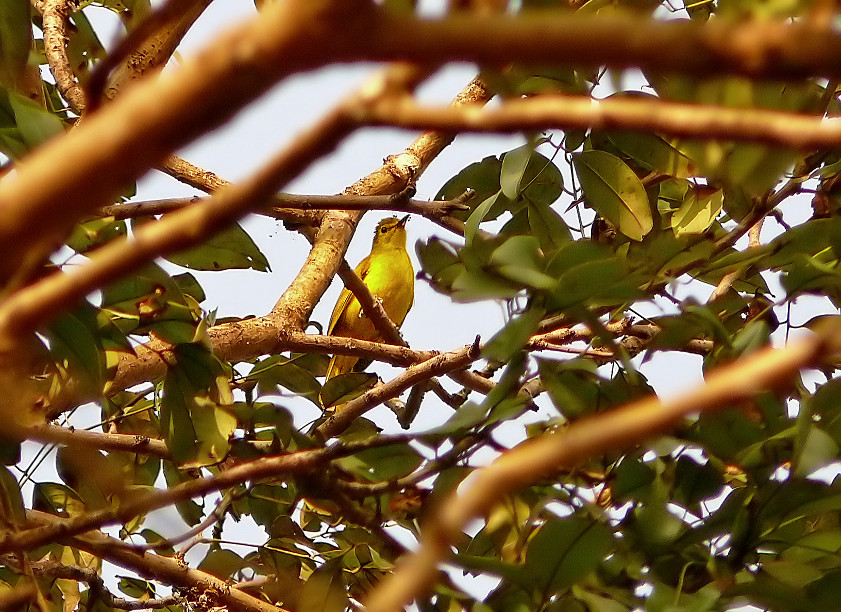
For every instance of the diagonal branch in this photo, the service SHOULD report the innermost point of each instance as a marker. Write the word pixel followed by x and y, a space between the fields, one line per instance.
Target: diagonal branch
pixel 33 306
pixel 40 202
pixel 168 570
pixel 588 437
pixel 435 366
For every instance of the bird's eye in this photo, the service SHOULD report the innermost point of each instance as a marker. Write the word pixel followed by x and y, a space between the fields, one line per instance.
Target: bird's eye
pixel 383 230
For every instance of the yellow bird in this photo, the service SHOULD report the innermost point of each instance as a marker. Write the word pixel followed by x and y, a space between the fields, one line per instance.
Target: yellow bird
pixel 388 274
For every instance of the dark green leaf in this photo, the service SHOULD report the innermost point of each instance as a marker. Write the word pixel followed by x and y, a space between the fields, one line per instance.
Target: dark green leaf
pixel 651 152
pixel 565 550
pixel 15 40
pixel 12 510
pixel 698 211
pixel 189 511
pixel 482 177
pixel 230 249
pixel 221 563
pixel 514 335
pixel 345 387
pixel 35 124
pixel 384 463
pixel 325 590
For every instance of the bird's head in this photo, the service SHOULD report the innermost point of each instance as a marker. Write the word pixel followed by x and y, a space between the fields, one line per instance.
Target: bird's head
pixel 390 233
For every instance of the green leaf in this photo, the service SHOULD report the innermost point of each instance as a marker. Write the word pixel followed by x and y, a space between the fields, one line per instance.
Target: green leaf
pixel 602 282
pixel 15 40
pixel 818 451
pixel 565 550
pixel 177 402
pixel 277 371
pixel 513 169
pixel 473 285
pixel 189 511
pixel 384 463
pixel 324 590
pixel 221 563
pixel 525 173
pixel 482 177
pixel 345 387
pixel 519 259
pixel 614 191
pixel 471 226
pixel 652 152
pixel 439 261
pixel 75 345
pixel 466 417
pixel 194 424
pixel 548 227
pixel 214 425
pixel 572 385
pixel 230 249
pixel 135 587
pixel 698 211
pixel 514 335
pixel 12 510
pixel 56 499
pixel 93 233
pixel 35 124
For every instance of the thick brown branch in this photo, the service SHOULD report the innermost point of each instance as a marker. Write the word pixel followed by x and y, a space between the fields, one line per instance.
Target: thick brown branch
pixel 793 130
pixel 145 49
pixel 39 203
pixel 756 48
pixel 54 15
pixel 92 439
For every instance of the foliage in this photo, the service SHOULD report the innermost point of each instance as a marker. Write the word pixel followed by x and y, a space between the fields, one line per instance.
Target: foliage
pixel 605 234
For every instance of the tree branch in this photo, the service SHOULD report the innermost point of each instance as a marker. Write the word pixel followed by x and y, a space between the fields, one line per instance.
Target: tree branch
pixel 54 16
pixel 97 440
pixel 33 306
pixel 42 199
pixel 794 130
pixel 283 201
pixel 258 469
pixel 435 366
pixel 96 583
pixel 756 48
pixel 168 570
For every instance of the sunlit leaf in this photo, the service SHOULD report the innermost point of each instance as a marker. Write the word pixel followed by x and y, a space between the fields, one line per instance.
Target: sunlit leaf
pixel 615 192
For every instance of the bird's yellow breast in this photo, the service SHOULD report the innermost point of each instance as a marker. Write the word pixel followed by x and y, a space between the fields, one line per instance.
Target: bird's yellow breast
pixel 389 276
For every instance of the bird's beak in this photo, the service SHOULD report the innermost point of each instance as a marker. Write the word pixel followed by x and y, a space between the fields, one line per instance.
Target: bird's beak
pixel 403 221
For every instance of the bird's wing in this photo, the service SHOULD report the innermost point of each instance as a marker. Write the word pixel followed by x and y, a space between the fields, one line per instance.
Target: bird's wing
pixel 347 296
